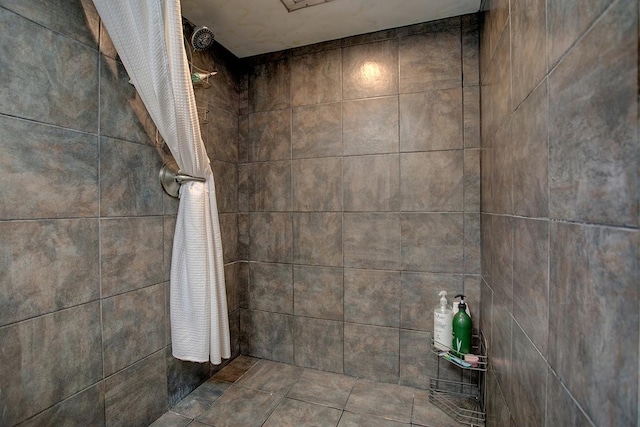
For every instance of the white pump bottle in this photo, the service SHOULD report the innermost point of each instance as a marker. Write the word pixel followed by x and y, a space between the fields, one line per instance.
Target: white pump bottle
pixel 442 321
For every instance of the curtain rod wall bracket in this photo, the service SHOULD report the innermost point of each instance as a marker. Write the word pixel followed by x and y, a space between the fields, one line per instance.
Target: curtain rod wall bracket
pixel 171 178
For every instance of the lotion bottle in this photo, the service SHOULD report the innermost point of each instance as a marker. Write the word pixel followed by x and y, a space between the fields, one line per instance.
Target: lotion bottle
pixel 462 328
pixel 442 317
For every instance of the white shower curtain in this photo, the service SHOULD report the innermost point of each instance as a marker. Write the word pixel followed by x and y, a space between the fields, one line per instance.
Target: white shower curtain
pixel 148 37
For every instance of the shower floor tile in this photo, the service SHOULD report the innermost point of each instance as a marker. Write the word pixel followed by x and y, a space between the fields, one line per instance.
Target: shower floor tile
pixel 251 392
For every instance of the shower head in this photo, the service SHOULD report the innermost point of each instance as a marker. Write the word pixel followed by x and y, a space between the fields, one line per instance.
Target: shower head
pixel 202 38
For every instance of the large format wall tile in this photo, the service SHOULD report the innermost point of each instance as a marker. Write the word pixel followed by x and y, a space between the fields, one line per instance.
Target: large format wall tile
pixel 470 50
pixel 271 287
pixel 372 297
pixel 318 292
pixel 47 172
pixel 372 240
pixel 122 113
pixel 317 131
pixel 437 67
pixel 318 344
pixel 129 179
pixel 183 377
pixel 471 116
pixel 315 78
pixel 226 180
pixel 317 184
pixel 229 236
pixel 47 266
pixel 593 113
pixel 371 352
pixel 47 359
pixel 371 183
pixel 133 326
pixel 271 237
pixel 270 184
pixel 270 135
pixel 370 126
pixel 64 92
pixel 420 296
pixel 370 70
pixel 432 181
pixel 433 242
pixel 593 293
pixel 131 253
pixel 317 239
pixel 222 135
pixel 269 86
pixel 137 395
pixel 562 409
pixel 472 180
pixel 268 335
pixel 431 120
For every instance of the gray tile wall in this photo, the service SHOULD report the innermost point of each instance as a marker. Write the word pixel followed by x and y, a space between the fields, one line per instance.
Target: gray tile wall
pixel 359 193
pixel 85 229
pixel 560 239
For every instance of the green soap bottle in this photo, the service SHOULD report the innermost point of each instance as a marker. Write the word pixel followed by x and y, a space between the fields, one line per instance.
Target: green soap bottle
pixel 462 327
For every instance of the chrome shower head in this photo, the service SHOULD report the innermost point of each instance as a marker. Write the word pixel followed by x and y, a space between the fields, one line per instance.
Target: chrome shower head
pixel 202 38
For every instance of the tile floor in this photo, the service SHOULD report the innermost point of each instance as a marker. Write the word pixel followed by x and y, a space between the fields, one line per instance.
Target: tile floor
pixel 253 392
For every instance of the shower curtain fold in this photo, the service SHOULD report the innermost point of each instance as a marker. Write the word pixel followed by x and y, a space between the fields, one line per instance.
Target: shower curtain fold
pixel 148 38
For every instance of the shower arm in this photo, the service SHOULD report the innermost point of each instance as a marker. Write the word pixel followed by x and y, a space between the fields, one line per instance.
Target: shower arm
pixel 171 178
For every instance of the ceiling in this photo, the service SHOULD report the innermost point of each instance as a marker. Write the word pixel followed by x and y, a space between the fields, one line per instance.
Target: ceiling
pixel 252 27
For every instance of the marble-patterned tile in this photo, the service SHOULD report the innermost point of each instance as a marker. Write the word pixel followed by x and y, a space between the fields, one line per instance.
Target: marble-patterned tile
pixel 501 348
pixel 371 352
pixel 170 419
pixel 271 287
pixel 243 236
pixel 502 262
pixel 322 388
pixel 129 179
pixel 487 202
pixel 471 116
pixel 64 162
pixel 504 148
pixel 486 247
pixel 318 292
pixel 245 192
pixel 269 376
pixel 229 236
pixel 528 46
pixel 62 351
pixel 372 297
pixel 232 279
pixel 270 184
pixel 531 279
pixel 270 135
pixel 431 120
pixel 350 419
pixel 594 273
pixel 430 61
pixel 427 414
pixel 371 183
pixel 268 335
pixel 223 93
pixel 472 180
pixel 235 337
pixel 389 401
pixel 497 409
pixel 370 70
pixel 473 299
pixel 562 409
pixel 420 296
pixel 77 20
pixel 567 21
pixel 235 370
pixel 472 243
pixel 294 413
pixel 183 379
pixel 497 18
pixel 416 365
pixel 317 239
pixel 486 307
pixel 528 381
pixel 46 266
pixel 432 181
pixel 317 131
pixel 61 87
pixel 470 50
pixel 225 175
pixel 433 242
pixel 317 184
pixel 318 344
pixel 370 126
pixel 169 226
pixel 84 408
pixel 243 139
pixel 498 85
pixel 132 327
pixel 122 113
pixel 271 237
pixel 240 407
pixel 138 394
pixel 222 135
pixel 131 251
pixel 530 160
pixel 316 78
pixel 269 86
pixel 372 240
pixel 584 184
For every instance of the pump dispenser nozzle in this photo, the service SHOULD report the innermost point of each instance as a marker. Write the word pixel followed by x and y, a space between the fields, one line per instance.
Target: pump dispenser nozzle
pixel 461 305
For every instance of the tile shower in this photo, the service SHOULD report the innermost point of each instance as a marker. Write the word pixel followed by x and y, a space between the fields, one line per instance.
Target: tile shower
pixel 345 204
